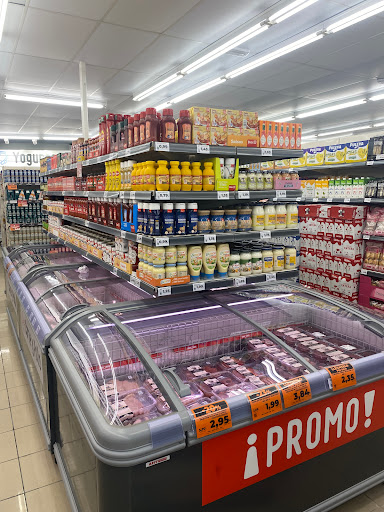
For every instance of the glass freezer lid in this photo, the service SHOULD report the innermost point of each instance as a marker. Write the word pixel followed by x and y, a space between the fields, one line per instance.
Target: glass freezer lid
pixel 26 260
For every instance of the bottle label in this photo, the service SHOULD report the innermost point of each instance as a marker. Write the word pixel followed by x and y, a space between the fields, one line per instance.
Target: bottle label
pixel 150 179
pixel 136 135
pixel 169 131
pixel 257 266
pixel 162 179
pixel 290 261
pixel 234 268
pixel 281 219
pixel 271 219
pixel 268 262
pixel 187 179
pixel 263 139
pixel 175 179
pixel 269 140
pixel 142 133
pixel 259 220
pixel 294 218
pixel 147 129
pixel 186 133
pixel 197 180
pixel 279 262
pixel 209 180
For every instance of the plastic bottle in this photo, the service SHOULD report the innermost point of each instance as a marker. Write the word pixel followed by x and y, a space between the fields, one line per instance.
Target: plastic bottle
pixel 175 177
pixel 186 177
pixel 267 259
pixel 208 177
pixel 151 123
pixel 118 175
pixel 251 179
pixel 278 258
pixel 184 127
pixel 281 216
pixel 259 180
pixel 162 175
pixel 170 255
pixel 269 217
pixel 136 129
pixel 155 219
pixel 268 181
pixel 234 264
pixel 209 261
pixel 168 126
pixel 197 177
pixel 170 271
pixel 195 261
pixel 182 270
pixel 150 176
pixel 243 179
pixel 158 256
pixel 292 216
pixel 158 115
pixel 133 176
pixel 192 218
pixel 182 254
pixel 142 127
pixel 168 219
pixel 290 257
pixel 258 218
pixel 130 132
pixel 180 219
pixel 245 262
pixel 139 176
pixel 223 257
pixel 257 260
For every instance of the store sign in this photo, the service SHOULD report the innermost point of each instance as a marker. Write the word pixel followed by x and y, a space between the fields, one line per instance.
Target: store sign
pixel 33 343
pixel 20 158
pixel 244 457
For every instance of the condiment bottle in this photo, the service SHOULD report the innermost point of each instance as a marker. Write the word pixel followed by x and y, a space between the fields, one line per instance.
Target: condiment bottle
pixel 184 127
pixel 136 130
pixel 209 261
pixel 281 216
pixel 133 177
pixel 168 126
pixel 158 115
pixel 168 219
pixel 186 177
pixel 151 123
pixel 208 177
pixel 223 256
pixel 197 177
pixel 180 219
pixel 162 175
pixel 139 176
pixel 195 261
pixel 142 127
pixel 192 218
pixel 175 177
pixel 130 132
pixel 150 176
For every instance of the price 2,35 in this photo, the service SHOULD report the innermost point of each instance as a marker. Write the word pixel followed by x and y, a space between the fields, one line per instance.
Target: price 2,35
pixel 223 420
pixel 299 395
pixel 271 405
pixel 349 377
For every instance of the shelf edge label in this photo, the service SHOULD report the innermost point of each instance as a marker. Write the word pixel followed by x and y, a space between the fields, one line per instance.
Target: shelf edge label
pixel 212 418
pixel 265 402
pixel 295 391
pixel 342 376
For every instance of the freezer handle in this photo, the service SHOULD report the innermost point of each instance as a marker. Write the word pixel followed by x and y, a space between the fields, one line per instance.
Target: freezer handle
pixel 374 327
pixel 181 388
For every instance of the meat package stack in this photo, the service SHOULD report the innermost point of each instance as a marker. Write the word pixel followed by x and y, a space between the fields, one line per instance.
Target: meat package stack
pixel 331 248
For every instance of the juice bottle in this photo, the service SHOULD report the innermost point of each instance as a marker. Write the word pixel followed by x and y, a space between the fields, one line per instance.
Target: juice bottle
pixel 186 177
pixel 175 177
pixel 150 176
pixel 136 130
pixel 208 177
pixel 162 175
pixel 184 127
pixel 142 127
pixel 197 177
pixel 134 177
pixel 168 126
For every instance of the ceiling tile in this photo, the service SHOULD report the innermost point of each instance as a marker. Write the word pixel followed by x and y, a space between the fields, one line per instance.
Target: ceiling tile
pixel 16 108
pixel 96 77
pixel 35 70
pixel 18 87
pixel 12 26
pixel 57 111
pixel 91 9
pixel 5 61
pixel 112 46
pixel 51 35
pixel 149 15
pixel 127 82
pixel 69 124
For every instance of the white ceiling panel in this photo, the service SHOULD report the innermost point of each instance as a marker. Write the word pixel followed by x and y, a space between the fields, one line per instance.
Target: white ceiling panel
pixel 18 87
pixel 152 15
pixel 35 70
pixel 16 119
pixel 91 9
pixel 111 46
pixel 57 111
pixel 12 25
pixel 17 108
pixel 5 61
pixel 69 124
pixel 126 82
pixel 96 77
pixel 52 35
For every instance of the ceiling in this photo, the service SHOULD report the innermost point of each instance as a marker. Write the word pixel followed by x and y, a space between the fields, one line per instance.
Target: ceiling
pixel 129 44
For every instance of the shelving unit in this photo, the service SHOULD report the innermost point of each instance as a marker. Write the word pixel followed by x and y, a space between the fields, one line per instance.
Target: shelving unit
pixel 375 161
pixel 362 200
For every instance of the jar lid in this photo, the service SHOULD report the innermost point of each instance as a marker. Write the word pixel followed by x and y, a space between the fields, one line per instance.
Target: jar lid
pixel 158 266
pixel 180 206
pixel 168 112
pixel 155 206
pixel 192 206
pixel 150 111
pixel 170 265
pixel 184 113
pixel 136 117
pixel 278 247
pixel 267 248
pixel 245 210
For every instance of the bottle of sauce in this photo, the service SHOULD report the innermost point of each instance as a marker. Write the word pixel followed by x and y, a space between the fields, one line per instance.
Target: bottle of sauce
pixel 186 177
pixel 257 260
pixel 267 259
pixel 175 177
pixel 130 139
pixel 150 176
pixel 136 130
pixel 182 254
pixel 208 177
pixel 209 261
pixel 234 264
pixel 180 219
pixel 292 216
pixel 192 218
pixel 162 175
pixel 195 261
pixel 133 177
pixel 168 126
pixel 151 123
pixel 184 127
pixel 269 217
pixel 281 216
pixel 168 219
pixel 290 257
pixel 158 115
pixel 139 176
pixel 142 127
pixel 223 256
pixel 258 218
pixel 197 177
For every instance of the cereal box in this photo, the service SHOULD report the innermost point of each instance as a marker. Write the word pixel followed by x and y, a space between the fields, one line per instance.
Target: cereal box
pixel 335 154
pixel 219 136
pixel 356 151
pixel 315 156
pixel 219 117
pixel 200 116
pixel 234 118
pixel 201 135
pixel 250 120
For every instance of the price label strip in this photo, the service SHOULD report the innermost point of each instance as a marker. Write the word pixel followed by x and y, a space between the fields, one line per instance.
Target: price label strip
pixel 342 376
pixel 212 418
pixel 203 149
pixel 295 391
pixel 12 186
pixel 265 402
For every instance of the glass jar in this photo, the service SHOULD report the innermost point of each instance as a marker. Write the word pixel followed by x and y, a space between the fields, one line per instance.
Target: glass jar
pixel 170 255
pixel 244 219
pixel 278 258
pixel 230 220
pixel 268 180
pixel 245 263
pixel 270 217
pixel 182 253
pixel 281 216
pixel 243 179
pixel 234 265
pixel 158 272
pixel 149 255
pixel 257 261
pixel 258 218
pixel 290 258
pixel 182 270
pixel 158 255
pixel 267 254
pixel 203 221
pixel 170 271
pixel 259 180
pixel 292 216
pixel 217 221
pixel 251 179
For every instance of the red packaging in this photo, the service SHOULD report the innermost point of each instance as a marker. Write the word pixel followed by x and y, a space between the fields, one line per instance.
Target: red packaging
pixel 184 127
pixel 130 132
pixel 142 128
pixel 168 126
pixel 110 121
pixel 136 130
pixel 151 123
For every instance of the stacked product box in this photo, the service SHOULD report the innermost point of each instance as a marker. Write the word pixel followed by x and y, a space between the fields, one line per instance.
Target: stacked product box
pixel 337 187
pixel 331 248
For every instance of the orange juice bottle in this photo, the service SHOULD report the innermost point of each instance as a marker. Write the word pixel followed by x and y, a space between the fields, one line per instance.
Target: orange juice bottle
pixel 197 177
pixel 186 177
pixel 175 177
pixel 150 176
pixel 208 177
pixel 162 175
pixel 134 177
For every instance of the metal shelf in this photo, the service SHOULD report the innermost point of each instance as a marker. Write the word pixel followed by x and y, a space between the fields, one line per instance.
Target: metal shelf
pixel 84 193
pixel 23 185
pixel 362 200
pixel 350 166
pixel 372 273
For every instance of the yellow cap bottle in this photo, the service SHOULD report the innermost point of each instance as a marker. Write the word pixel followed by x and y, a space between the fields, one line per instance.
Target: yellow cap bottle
pixel 134 177
pixel 197 177
pixel 186 177
pixel 162 175
pixel 151 176
pixel 208 177
pixel 139 176
pixel 174 177
pixel 118 175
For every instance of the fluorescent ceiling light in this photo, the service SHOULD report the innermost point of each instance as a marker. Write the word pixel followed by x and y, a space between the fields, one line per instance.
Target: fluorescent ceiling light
pixel 284 119
pixel 3 12
pixel 274 55
pixel 19 137
pixel 309 137
pixel 157 87
pixel 61 137
pixel 290 10
pixel 197 90
pixel 378 124
pixel 51 101
pixel 377 97
pixel 166 104
pixel 351 129
pixel 331 108
pixel 356 17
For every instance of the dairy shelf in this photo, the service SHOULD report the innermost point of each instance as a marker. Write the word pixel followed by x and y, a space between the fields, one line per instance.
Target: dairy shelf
pixel 165 241
pixel 374 162
pixel 195 286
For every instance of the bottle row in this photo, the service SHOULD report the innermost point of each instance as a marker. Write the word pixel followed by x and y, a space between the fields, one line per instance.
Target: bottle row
pixel 22 176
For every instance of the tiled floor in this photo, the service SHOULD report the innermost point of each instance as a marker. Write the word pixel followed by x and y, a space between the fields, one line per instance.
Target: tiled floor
pixel 29 478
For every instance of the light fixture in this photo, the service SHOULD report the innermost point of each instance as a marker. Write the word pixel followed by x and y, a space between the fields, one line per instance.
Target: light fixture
pixel 356 17
pixel 61 137
pixel 276 54
pixel 167 81
pixel 378 124
pixel 331 108
pixel 166 104
pixel 19 137
pixel 377 97
pixel 351 129
pixel 51 101
pixel 284 119
pixel 3 12
pixel 290 10
pixel 197 90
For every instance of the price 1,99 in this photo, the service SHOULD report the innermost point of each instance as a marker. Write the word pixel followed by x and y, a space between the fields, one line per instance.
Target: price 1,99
pixel 272 405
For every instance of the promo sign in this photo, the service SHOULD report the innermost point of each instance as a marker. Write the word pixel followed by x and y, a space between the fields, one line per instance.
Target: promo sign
pixel 244 457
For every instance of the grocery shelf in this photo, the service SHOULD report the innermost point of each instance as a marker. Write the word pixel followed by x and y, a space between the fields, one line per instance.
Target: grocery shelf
pixel 181 239
pixel 373 237
pixel 195 286
pixel 361 200
pixel 350 166
pixel 373 273
pixel 84 193
pixel 23 185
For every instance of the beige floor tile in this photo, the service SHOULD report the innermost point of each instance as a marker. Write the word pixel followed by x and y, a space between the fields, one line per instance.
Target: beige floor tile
pixel 12 366
pixel 24 415
pixel 5 420
pixel 16 379
pixel 10 479
pixel 16 504
pixel 4 403
pixel 7 446
pixel 2 382
pixel 1 366
pixel 30 440
pixel 38 470
pixel 359 504
pixel 51 498
pixel 19 396
pixel 376 494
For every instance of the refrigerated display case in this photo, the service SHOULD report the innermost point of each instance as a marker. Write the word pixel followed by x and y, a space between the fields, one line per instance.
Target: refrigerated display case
pixel 238 399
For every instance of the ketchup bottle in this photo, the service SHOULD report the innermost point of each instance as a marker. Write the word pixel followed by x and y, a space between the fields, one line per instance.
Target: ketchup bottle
pixel 168 126
pixel 184 127
pixel 136 130
pixel 142 127
pixel 130 132
pixel 158 115
pixel 151 123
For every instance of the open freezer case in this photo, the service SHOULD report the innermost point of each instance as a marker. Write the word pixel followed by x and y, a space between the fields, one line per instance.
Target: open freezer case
pixel 231 396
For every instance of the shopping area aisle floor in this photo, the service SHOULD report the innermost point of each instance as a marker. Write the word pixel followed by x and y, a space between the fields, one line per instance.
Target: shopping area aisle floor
pixel 29 478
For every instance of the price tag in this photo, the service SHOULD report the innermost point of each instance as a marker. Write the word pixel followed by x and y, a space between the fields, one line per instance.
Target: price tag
pixel 198 287
pixel 86 223
pixel 379 157
pixel 299 198
pixel 165 290
pixel 295 391
pixel 264 235
pixel 22 202
pixel 114 156
pixel 212 418
pixel 342 376
pixel 222 195
pixel 264 402
pixel 364 271
pixel 203 148
pixel 329 199
pixel 347 199
pixel 14 227
pixel 161 146
pixel 243 194
pixel 132 195
pixel 281 193
pixel 135 281
pixel 271 276
pixel 240 281
pixel 315 199
pixel 162 241
pixel 12 186
pixel 79 169
pixel 367 199
pixel 163 196
pixel 266 151
pixel 210 239
pixel 139 238
pixel 366 237
pixel 370 162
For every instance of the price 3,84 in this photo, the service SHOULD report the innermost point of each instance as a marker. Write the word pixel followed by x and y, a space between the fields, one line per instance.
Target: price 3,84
pixel 299 395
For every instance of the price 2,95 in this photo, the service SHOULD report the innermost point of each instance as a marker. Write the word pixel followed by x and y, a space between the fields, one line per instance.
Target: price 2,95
pixel 223 420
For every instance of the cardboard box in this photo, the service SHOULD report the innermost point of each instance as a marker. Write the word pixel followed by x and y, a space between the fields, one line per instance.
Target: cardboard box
pixel 281 135
pixel 282 164
pixel 265 166
pixel 250 120
pixel 299 129
pixel 222 183
pixel 275 135
pixel 219 117
pixel 286 136
pixel 315 156
pixel 200 116
pixel 263 133
pixel 298 162
pixel 292 135
pixel 234 118
pixel 335 154
pixel 269 133
pixel 219 136
pixel 201 134
pixel 356 151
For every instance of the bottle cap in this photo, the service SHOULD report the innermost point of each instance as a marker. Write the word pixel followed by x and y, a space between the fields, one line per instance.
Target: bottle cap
pixel 150 111
pixel 192 206
pixel 180 206
pixel 142 115
pixel 136 117
pixel 184 113
pixel 168 112
pixel 167 206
